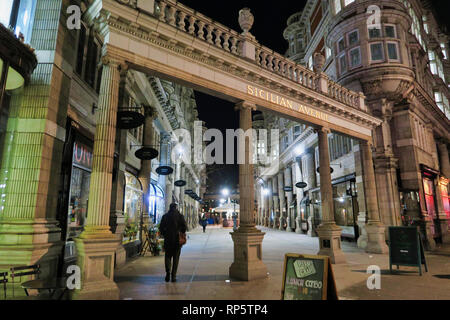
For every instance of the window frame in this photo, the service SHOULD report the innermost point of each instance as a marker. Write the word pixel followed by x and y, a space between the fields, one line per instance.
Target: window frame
pixel 350 67
pixel 389 59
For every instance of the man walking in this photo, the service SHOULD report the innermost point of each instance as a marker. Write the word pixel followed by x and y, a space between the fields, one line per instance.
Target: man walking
pixel 172 223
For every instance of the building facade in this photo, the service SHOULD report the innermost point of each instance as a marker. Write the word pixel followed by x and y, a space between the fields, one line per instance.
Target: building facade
pixel 396 54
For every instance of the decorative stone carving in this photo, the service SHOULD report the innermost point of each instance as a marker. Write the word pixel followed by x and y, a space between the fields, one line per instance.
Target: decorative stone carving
pixel 246 20
pixel 319 62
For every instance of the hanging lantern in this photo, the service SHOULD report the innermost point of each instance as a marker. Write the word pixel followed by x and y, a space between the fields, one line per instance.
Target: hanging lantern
pixel 128 119
pixel 179 183
pixel 301 184
pixel 164 170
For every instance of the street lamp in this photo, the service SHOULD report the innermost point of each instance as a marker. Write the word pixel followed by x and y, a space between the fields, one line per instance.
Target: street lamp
pixel 225 192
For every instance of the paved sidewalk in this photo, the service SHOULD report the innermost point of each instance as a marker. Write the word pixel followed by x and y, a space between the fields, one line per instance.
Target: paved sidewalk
pixel 204 263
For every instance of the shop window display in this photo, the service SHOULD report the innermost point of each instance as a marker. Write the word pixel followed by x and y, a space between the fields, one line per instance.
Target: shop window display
pixel 133 208
pixel 343 208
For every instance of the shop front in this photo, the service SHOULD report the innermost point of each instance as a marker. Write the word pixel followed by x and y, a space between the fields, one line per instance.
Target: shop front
pixel 429 177
pixel 79 176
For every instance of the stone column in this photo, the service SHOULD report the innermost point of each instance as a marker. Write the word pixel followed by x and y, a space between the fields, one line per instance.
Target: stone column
pixel 329 233
pixel 288 182
pixel 376 242
pixel 247 239
pixel 96 245
pixel 146 165
pixel 282 198
pixel 276 202
pixel 443 159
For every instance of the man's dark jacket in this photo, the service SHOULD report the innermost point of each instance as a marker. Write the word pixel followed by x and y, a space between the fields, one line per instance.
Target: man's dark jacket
pixel 171 224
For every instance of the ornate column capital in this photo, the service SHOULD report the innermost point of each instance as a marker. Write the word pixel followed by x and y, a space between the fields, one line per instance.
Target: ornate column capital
pixel 245 105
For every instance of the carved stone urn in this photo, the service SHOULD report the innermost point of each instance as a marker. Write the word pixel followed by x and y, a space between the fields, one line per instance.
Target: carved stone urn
pixel 246 20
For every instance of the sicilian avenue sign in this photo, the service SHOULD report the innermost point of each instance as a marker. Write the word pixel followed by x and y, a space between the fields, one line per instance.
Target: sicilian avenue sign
pixel 284 102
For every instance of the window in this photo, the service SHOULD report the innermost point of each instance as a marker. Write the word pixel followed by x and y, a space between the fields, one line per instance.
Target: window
pixel 376 51
pixel 19 16
pixel 355 57
pixel 285 142
pixel 297 131
pixel 439 101
pixel 374 32
pixel 341 44
pixel 389 31
pixel 337 6
pixel 342 63
pixel 310 63
pixel 327 53
pixel 392 51
pixel 347 2
pixel 353 37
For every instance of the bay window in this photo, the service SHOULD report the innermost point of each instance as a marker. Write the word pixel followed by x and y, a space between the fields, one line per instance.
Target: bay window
pixel 392 49
pixel 376 52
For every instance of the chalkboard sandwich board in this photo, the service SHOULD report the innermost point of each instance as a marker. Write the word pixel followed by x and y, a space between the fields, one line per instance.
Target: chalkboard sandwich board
pixel 406 248
pixel 308 277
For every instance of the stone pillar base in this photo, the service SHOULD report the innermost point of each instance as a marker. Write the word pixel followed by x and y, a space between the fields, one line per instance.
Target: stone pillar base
pixel 362 239
pixel 376 242
pixel 96 261
pixel 445 234
pixel 428 239
pixel 280 227
pixel 298 229
pixel 121 256
pixel 248 263
pixel 330 242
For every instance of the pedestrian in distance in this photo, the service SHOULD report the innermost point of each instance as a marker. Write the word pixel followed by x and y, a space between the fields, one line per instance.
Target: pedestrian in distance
pixel 173 228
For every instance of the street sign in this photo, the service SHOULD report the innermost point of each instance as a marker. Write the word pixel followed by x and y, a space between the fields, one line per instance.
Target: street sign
pixel 129 119
pixel 406 248
pixel 146 153
pixel 308 277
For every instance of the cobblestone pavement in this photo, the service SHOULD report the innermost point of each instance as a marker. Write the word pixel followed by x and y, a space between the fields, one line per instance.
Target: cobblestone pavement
pixel 205 259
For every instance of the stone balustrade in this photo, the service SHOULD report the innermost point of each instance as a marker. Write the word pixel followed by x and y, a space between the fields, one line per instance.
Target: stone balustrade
pixel 199 26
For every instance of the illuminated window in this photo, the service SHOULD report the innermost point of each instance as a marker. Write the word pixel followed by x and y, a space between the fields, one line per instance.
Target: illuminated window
pixel 374 32
pixel 389 31
pixel 425 24
pixel 436 65
pixel 327 53
pixel 355 57
pixel 415 26
pixel 19 16
pixel 337 6
pixel 347 2
pixel 353 37
pixel 444 50
pixel 376 52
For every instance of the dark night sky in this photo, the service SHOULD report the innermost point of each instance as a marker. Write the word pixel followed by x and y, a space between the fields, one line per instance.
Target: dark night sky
pixel 270 22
